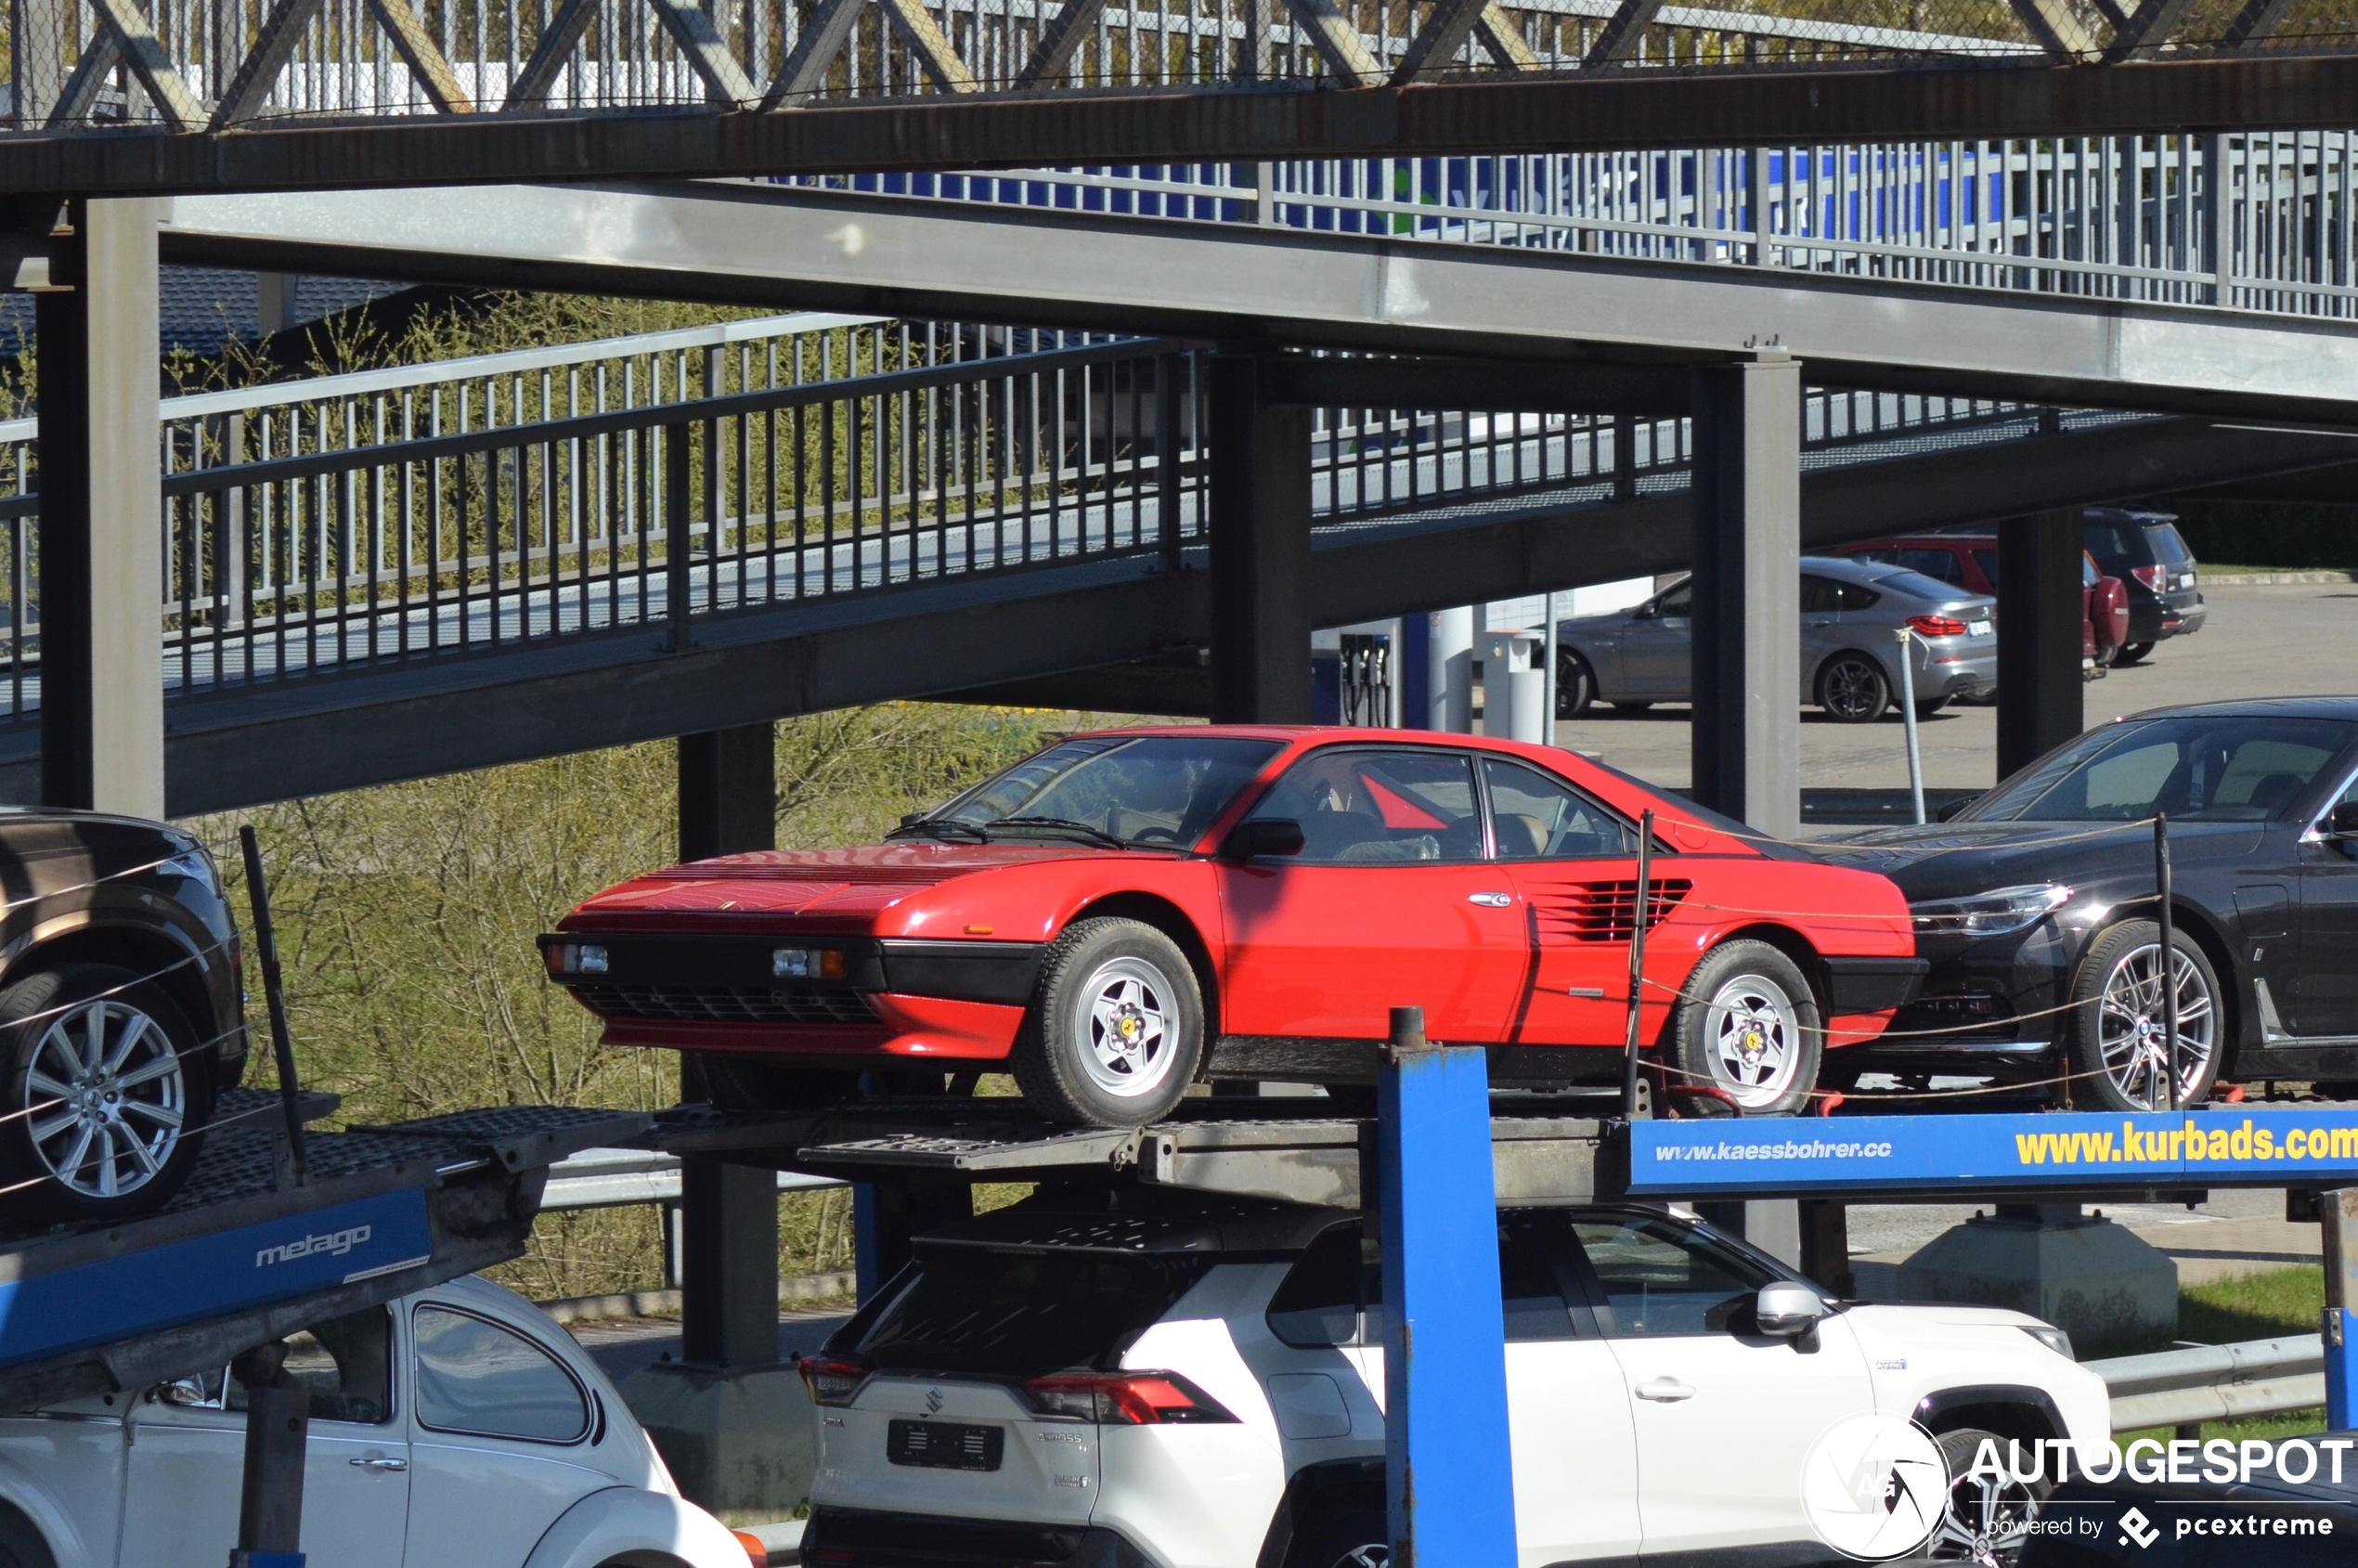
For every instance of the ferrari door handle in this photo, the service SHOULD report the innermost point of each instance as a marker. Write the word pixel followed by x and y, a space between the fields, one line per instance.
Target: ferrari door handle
pixel 378 1462
pixel 1664 1390
pixel 1491 901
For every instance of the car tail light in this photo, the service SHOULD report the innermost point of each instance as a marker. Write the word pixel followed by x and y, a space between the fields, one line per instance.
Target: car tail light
pixel 1936 626
pixel 757 1554
pixel 575 958
pixel 832 1380
pixel 2155 577
pixel 1124 1399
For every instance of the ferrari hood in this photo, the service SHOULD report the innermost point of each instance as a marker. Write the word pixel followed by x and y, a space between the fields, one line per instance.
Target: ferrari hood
pixel 854 881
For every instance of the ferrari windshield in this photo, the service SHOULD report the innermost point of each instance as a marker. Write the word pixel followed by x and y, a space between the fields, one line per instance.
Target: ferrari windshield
pixel 2197 767
pixel 1152 791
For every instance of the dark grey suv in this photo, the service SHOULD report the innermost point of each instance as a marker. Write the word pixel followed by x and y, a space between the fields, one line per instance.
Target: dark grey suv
pixel 122 1012
pixel 2148 553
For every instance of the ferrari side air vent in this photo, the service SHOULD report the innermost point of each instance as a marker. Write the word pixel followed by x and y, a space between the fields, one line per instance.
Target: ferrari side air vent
pixel 1607 912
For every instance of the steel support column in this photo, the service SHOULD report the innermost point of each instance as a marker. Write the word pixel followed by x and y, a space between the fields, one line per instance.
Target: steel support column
pixel 1260 516
pixel 1448 1473
pixel 1746 680
pixel 2040 612
pixel 2337 1215
pixel 101 515
pixel 728 1214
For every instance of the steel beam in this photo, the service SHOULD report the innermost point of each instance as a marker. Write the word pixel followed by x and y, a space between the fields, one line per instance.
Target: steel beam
pixel 2338 1214
pixel 2040 612
pixel 275 742
pixel 1260 489
pixel 1528 111
pixel 1746 504
pixel 102 723
pixel 956 261
pixel 728 1214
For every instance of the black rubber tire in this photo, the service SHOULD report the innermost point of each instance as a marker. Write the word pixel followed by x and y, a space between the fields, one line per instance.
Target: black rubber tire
pixel 1692 1050
pixel 1050 1062
pixel 28 1009
pixel 2092 1088
pixel 1927 709
pixel 1632 705
pixel 1853 689
pixel 1978 1510
pixel 1575 685
pixel 2131 653
pixel 1348 1537
pixel 739 1081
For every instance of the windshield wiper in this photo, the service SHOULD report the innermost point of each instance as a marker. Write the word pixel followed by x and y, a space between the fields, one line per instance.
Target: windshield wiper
pixel 947 829
pixel 1062 824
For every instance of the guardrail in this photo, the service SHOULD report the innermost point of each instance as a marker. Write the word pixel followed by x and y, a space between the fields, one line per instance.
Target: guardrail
pixel 617 1178
pixel 2186 1387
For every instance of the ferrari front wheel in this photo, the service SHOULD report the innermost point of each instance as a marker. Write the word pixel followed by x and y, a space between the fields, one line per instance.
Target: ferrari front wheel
pixel 1115 1029
pixel 1747 1027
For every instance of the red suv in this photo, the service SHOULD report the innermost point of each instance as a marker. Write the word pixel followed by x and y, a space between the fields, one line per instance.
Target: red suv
pixel 1970 561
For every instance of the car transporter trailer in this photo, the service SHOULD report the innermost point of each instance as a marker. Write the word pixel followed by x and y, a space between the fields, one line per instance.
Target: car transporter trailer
pixel 259 1244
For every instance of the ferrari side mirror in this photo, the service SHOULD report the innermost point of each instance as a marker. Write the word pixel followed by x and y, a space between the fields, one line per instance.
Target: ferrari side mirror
pixel 1265 836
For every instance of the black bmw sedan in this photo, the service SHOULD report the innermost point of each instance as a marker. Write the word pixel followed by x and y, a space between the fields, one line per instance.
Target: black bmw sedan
pixel 2036 905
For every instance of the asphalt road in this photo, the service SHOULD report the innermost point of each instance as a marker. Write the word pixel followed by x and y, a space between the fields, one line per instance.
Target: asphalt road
pixel 2261 641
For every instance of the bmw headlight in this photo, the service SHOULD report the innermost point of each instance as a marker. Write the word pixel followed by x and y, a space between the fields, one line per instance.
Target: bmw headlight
pixel 1989 914
pixel 2053 1338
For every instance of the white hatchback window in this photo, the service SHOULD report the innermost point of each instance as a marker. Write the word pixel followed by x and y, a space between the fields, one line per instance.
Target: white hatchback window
pixel 475 1377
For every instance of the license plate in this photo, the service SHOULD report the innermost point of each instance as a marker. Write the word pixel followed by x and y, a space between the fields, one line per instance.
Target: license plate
pixel 945 1445
pixel 1976 628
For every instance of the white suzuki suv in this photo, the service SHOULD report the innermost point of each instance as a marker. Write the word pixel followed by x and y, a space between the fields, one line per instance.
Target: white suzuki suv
pixel 1142 1377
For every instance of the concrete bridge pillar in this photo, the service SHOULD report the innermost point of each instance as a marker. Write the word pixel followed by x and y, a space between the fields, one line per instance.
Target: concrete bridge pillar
pixel 101 515
pixel 732 1422
pixel 2040 612
pixel 1747 554
pixel 1260 484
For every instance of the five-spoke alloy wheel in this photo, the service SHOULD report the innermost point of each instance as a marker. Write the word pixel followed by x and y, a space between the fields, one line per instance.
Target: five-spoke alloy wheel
pixel 1116 1026
pixel 1747 1026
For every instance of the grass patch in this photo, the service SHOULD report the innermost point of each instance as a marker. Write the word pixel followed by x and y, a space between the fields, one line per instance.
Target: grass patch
pixel 2254 1306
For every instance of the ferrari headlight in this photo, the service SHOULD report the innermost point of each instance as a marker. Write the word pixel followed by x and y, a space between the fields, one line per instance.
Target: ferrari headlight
pixel 1989 914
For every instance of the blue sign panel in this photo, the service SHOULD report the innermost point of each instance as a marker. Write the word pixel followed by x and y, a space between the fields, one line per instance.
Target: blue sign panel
pixel 156 1288
pixel 2217 1146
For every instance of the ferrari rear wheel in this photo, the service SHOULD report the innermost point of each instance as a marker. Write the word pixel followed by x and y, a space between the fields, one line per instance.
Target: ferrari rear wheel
pixel 1748 1027
pixel 1116 1027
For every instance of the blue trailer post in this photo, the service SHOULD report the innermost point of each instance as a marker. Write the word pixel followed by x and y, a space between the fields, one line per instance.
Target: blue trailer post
pixel 1448 1470
pixel 2338 1219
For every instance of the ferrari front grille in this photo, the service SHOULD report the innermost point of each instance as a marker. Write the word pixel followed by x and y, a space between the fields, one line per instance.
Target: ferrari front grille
pixel 729 1005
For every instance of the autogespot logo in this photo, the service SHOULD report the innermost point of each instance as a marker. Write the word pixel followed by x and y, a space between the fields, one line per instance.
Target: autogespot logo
pixel 1874 1487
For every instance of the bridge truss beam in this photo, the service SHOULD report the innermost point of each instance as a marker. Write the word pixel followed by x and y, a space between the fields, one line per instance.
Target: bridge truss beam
pixel 1518 112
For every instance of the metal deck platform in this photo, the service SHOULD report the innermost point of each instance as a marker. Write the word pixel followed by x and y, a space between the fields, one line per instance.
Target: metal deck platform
pixel 242 1255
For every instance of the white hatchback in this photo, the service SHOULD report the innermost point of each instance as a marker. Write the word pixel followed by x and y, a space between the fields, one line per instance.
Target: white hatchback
pixel 1160 1379
pixel 458 1428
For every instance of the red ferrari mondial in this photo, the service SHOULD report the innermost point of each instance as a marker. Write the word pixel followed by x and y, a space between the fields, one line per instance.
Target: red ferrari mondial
pixel 1126 912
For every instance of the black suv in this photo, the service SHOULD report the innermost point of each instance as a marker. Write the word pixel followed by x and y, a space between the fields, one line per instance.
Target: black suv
pixel 2146 553
pixel 122 1012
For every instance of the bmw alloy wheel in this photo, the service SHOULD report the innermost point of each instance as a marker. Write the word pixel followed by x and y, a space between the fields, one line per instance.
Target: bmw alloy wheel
pixel 1854 691
pixel 1124 1017
pixel 2131 1031
pixel 106 1096
pixel 1755 1040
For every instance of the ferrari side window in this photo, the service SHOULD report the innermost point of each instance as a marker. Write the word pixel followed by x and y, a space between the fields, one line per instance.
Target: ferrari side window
pixel 1536 818
pixel 1378 808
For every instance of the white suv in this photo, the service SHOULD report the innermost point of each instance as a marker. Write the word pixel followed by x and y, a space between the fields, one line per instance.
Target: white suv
pixel 1150 1377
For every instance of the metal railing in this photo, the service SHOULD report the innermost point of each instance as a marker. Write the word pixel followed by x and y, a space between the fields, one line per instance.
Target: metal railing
pixel 365 521
pixel 2262 222
pixel 2198 1383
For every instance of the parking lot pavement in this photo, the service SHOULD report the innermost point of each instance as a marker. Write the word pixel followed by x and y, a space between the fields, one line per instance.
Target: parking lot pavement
pixel 2233 1234
pixel 2294 640
pixel 621 1345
